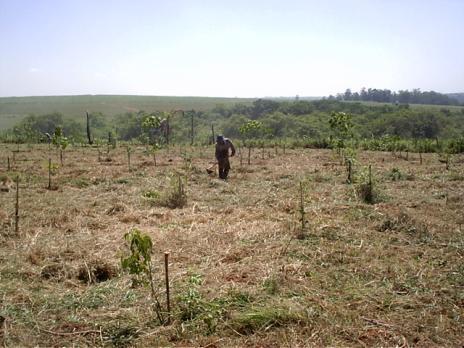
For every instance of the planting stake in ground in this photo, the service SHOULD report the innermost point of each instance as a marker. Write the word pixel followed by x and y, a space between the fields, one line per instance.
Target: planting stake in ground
pixel 212 132
pixel 302 208
pixel 191 128
pixel 370 178
pixel 8 168
pixel 17 206
pixel 349 180
pixel 420 157
pixel 166 271
pixel 89 137
pixel 128 158
pixel 49 173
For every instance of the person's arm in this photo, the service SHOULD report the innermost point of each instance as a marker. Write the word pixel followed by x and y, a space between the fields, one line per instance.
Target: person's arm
pixel 232 149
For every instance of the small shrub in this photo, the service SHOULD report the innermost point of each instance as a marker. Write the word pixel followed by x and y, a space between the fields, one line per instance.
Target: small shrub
pixel 271 285
pixel 366 189
pixel 198 311
pixel 174 196
pixel 395 174
pixel 151 196
pixel 264 318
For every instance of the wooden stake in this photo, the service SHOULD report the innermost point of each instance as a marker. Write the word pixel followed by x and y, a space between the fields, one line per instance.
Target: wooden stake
pixel 302 209
pixel 370 176
pixel 89 136
pixel 212 131
pixel 349 173
pixel 49 173
pixel 191 128
pixel 9 167
pixel 166 271
pixel 17 206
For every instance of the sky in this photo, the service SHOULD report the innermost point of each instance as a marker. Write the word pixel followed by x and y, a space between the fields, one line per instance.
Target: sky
pixel 229 48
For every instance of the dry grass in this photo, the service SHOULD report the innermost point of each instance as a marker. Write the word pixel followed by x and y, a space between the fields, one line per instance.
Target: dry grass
pixel 385 274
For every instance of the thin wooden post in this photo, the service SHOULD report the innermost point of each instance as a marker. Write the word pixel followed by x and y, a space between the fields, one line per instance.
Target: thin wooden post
pixel 349 172
pixel 167 131
pixel 420 157
pixel 191 128
pixel 166 271
pixel 212 131
pixel 302 208
pixel 370 177
pixel 249 154
pixel 49 173
pixel 17 206
pixel 9 166
pixel 89 136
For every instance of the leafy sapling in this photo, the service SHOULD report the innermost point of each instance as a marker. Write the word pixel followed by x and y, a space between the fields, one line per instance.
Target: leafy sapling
pixel 60 142
pixel 250 130
pixel 138 264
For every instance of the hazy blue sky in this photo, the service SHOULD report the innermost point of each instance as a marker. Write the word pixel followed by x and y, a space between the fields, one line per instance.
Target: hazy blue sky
pixel 229 48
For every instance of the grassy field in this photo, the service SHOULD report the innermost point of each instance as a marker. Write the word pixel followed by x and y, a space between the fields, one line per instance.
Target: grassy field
pixel 14 109
pixel 243 271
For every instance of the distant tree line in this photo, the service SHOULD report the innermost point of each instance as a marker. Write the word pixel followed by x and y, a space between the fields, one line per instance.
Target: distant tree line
pixel 403 96
pixel 296 119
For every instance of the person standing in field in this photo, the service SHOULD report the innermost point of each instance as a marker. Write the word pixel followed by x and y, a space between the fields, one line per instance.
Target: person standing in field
pixel 222 155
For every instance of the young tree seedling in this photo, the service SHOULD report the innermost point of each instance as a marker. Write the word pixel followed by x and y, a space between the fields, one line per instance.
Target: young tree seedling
pixel 138 263
pixel 251 129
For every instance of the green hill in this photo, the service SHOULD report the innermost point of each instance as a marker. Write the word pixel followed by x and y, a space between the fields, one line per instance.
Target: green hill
pixel 14 109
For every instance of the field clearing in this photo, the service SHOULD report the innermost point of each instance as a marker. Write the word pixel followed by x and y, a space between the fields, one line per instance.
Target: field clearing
pixel 14 109
pixel 384 274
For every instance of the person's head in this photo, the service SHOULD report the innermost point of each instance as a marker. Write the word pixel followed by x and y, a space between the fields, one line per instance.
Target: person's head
pixel 220 139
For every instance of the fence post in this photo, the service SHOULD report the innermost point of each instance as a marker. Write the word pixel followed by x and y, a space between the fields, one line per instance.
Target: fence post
pixel 166 270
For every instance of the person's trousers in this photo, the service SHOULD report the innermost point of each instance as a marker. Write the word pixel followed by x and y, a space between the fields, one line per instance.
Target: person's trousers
pixel 224 167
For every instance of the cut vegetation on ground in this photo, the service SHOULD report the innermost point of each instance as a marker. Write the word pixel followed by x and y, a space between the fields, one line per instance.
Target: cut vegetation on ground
pixel 244 269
